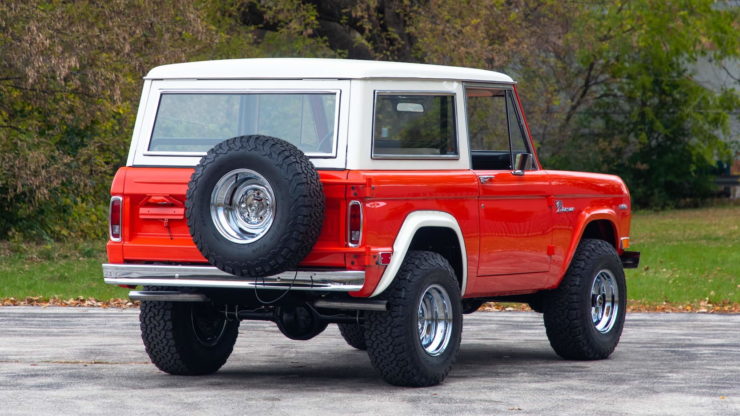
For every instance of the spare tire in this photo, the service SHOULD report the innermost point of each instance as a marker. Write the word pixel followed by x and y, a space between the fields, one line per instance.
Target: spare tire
pixel 254 206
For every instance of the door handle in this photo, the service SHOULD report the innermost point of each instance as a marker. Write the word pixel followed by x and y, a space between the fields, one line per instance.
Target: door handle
pixel 486 179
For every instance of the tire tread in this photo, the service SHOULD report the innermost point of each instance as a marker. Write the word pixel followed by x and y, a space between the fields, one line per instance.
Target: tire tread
pixel 167 347
pixel 354 335
pixel 388 343
pixel 307 212
pixel 567 319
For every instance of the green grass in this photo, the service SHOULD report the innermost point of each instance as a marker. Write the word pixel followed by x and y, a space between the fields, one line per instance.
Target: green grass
pixel 61 270
pixel 688 257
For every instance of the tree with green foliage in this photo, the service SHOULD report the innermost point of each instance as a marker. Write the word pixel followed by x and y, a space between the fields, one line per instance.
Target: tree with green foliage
pixel 607 85
pixel 69 80
pixel 648 119
pixel 69 84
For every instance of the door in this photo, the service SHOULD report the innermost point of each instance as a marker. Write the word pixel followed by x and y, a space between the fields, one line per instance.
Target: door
pixel 515 216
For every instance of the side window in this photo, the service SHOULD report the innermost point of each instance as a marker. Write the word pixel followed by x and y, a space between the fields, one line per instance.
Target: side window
pixel 409 126
pixel 487 120
pixel 494 129
pixel 518 142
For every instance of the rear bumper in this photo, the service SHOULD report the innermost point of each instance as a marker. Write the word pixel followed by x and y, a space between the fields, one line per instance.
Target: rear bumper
pixel 209 276
pixel 630 259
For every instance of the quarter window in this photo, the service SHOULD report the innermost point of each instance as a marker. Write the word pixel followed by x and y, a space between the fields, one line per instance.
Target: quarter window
pixel 412 126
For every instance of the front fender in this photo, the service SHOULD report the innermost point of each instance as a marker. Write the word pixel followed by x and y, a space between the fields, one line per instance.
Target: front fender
pixel 587 216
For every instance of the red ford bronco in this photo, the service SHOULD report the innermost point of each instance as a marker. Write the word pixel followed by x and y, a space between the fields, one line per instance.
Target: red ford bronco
pixel 387 198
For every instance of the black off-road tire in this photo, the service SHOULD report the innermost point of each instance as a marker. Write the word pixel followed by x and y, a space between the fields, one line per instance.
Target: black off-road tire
pixel 299 206
pixel 537 302
pixel 173 343
pixel 567 310
pixel 393 341
pixel 354 334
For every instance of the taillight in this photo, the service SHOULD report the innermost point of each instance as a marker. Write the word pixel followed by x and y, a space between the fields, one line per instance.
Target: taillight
pixel 114 223
pixel 354 224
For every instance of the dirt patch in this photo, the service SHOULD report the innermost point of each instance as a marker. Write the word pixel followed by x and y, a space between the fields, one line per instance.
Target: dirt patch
pixel 636 306
pixel 72 302
pixel 632 306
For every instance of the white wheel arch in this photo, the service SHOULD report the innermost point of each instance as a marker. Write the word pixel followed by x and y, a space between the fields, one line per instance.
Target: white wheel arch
pixel 413 223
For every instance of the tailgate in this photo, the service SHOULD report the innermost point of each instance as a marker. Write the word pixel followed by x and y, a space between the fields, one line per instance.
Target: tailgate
pixel 155 229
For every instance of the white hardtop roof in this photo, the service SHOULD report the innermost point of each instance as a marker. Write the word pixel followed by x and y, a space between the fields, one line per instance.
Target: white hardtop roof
pixel 310 68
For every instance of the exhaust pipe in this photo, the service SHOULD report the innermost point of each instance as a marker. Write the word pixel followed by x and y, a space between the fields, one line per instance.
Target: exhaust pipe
pixel 175 296
pixel 353 305
pixel 166 296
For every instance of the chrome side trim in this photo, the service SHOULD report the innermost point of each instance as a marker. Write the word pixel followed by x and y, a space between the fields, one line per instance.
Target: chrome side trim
pixel 209 276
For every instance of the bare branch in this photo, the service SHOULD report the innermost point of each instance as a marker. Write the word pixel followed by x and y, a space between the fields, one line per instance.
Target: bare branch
pixel 584 90
pixel 729 74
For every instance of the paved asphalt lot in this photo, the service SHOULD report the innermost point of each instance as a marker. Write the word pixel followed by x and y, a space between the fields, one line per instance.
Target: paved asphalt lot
pixel 74 361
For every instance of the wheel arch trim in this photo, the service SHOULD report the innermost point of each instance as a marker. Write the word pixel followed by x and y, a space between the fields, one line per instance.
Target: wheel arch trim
pixel 584 219
pixel 411 225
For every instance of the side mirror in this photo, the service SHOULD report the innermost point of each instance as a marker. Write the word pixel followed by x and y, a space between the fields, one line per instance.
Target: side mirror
pixel 522 162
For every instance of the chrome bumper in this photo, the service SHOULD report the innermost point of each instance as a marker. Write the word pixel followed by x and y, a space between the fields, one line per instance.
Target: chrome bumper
pixel 209 276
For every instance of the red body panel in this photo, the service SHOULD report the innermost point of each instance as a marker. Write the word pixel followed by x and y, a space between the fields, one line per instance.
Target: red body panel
pixel 390 196
pixel 155 229
pixel 516 240
pixel 516 230
pixel 594 197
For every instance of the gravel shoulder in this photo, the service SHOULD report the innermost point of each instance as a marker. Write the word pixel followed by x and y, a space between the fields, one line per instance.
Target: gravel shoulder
pixel 89 360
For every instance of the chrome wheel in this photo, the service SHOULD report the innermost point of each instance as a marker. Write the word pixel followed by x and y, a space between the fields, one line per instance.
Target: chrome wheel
pixel 434 320
pixel 242 206
pixel 604 301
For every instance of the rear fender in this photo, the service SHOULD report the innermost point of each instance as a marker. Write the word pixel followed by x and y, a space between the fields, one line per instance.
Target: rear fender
pixel 413 223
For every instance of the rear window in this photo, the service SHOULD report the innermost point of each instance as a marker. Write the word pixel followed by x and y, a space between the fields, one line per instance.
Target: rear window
pixel 189 122
pixel 410 126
